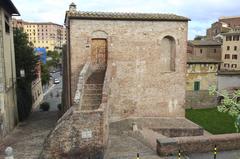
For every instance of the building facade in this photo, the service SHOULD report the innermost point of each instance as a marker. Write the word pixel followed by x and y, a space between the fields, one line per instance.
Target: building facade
pixel 204 59
pixel 43 35
pixel 8 104
pixel 119 65
pixel 231 50
pixel 210 49
pixel 142 55
pixel 201 74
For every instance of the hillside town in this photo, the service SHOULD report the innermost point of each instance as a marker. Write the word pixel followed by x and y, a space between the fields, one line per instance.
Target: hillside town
pixel 118 85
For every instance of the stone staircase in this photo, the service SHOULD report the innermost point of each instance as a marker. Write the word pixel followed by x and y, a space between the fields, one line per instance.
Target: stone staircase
pixel 92 97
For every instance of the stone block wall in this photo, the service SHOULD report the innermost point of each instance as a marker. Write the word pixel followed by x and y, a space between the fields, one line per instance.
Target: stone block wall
pixel 200 99
pixel 140 86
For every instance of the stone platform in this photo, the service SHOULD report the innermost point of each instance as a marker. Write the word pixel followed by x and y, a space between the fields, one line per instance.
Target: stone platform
pixel 130 136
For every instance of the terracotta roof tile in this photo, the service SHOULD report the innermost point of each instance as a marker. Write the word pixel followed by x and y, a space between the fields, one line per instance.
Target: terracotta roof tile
pixel 126 16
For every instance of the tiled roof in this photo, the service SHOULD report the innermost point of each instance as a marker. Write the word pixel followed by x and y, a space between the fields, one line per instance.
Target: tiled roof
pixel 205 42
pixel 197 59
pixel 9 7
pixel 127 16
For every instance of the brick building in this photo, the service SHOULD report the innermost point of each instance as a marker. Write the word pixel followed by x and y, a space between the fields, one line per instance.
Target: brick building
pixel 119 65
pixel 223 25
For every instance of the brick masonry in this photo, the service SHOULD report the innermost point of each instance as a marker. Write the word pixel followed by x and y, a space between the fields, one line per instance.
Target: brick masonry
pixel 140 80
pixel 78 134
pixel 223 142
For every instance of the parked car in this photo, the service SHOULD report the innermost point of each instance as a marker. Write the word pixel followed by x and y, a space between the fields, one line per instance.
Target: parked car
pixel 56 81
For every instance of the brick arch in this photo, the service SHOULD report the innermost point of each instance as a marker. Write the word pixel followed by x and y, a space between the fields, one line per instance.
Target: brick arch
pixel 99 34
pixel 168 51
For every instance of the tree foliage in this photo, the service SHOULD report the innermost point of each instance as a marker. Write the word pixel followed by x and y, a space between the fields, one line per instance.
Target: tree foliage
pixel 229 104
pixel 45 74
pixel 55 58
pixel 25 60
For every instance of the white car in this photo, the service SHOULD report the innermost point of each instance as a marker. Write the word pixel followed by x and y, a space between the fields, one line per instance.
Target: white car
pixel 56 81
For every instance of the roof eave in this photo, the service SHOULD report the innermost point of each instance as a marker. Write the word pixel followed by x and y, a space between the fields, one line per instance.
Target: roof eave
pixel 10 8
pixel 125 19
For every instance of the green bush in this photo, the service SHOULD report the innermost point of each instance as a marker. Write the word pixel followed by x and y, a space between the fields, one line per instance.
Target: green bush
pixel 44 106
pixel 59 107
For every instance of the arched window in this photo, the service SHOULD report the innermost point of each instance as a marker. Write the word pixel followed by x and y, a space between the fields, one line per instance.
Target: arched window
pixel 168 53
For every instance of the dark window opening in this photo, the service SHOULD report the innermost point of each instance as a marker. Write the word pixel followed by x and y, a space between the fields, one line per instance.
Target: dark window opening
pixel 234 56
pixel 196 85
pixel 227 56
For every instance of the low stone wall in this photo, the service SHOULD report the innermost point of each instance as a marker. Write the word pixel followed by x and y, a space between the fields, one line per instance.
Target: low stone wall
pixel 83 76
pixel 200 99
pixel 171 146
pixel 179 132
pixel 78 134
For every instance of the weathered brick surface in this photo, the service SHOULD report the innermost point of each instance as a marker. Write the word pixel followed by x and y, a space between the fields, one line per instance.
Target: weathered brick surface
pixel 66 140
pixel 198 144
pixel 140 83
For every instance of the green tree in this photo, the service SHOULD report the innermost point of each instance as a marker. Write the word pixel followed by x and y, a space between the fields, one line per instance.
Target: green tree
pixel 55 58
pixel 199 37
pixel 229 104
pixel 45 74
pixel 25 60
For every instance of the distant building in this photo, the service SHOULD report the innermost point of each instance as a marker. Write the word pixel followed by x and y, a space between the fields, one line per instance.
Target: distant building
pixel 8 102
pixel 37 91
pixel 231 50
pixel 204 58
pixel 204 49
pixel 43 35
pixel 223 25
pixel 201 74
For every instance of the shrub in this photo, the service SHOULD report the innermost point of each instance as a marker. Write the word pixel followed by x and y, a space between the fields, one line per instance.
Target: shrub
pixel 59 107
pixel 44 106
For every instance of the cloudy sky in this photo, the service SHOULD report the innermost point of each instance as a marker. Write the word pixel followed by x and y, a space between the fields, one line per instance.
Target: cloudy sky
pixel 201 12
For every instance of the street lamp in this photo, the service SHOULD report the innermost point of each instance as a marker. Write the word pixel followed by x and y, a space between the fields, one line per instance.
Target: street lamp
pixel 22 73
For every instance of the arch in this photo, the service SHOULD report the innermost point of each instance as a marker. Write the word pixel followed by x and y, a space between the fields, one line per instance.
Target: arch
pixel 99 34
pixel 168 51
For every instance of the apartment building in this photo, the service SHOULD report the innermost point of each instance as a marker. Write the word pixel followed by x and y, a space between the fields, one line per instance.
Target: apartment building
pixel 43 35
pixel 231 50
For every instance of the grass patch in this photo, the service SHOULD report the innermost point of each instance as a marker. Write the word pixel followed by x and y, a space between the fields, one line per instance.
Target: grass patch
pixel 212 120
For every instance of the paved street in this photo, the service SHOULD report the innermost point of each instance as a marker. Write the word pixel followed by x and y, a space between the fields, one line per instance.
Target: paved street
pixel 54 92
pixel 28 137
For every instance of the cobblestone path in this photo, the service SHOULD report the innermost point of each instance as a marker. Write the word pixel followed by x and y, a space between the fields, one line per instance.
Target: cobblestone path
pixel 28 137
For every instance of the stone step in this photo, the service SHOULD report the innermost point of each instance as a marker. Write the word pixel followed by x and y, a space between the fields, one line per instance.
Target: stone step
pixel 92 91
pixel 90 107
pixel 92 95
pixel 93 86
pixel 92 102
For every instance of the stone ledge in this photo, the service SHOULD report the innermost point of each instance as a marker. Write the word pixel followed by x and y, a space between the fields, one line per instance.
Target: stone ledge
pixel 170 146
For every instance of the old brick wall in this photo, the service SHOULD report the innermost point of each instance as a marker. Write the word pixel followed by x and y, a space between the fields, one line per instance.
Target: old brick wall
pixel 67 139
pixel 198 144
pixel 140 83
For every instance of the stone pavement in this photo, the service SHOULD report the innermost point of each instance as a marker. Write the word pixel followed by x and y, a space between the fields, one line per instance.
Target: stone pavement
pixel 28 137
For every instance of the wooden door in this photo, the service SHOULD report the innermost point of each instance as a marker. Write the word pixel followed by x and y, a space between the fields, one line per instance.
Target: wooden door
pixel 99 52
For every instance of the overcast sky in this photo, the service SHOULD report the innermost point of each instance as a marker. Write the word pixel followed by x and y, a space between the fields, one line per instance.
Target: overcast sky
pixel 201 12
